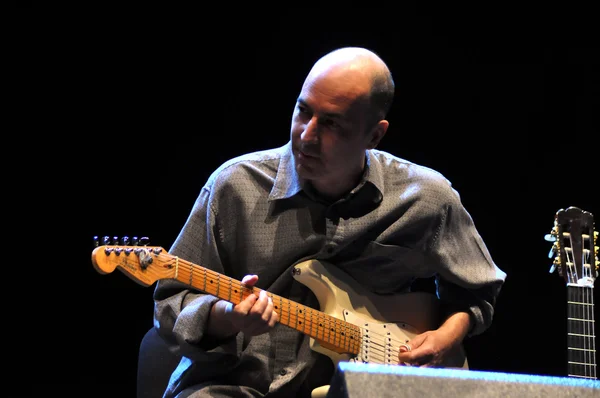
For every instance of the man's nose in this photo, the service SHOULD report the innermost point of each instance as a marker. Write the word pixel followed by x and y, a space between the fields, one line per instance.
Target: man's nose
pixel 310 132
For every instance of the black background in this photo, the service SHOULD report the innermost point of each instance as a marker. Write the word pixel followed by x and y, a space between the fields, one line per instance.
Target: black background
pixel 122 114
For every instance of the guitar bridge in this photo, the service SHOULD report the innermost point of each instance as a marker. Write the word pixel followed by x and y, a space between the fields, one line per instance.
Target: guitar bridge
pixel 380 342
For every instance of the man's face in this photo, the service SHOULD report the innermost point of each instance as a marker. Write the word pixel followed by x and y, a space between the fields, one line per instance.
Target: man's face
pixel 329 132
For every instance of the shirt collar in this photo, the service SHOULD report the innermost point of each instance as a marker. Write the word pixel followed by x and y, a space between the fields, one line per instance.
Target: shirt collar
pixel 287 183
pixel 374 172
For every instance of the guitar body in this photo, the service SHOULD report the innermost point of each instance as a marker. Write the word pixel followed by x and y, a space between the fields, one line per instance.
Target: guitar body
pixel 395 318
pixel 401 316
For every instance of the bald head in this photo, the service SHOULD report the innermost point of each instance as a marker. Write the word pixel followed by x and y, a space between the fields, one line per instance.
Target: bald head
pixel 363 67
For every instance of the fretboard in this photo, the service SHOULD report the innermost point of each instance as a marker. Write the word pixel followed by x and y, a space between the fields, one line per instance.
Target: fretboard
pixel 342 336
pixel 581 341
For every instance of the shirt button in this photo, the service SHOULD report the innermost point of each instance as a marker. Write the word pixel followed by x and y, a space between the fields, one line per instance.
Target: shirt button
pixel 283 372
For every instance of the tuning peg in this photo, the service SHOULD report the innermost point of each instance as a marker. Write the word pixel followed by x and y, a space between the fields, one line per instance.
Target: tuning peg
pixel 96 241
pixel 555 263
pixel 106 240
pixel 551 252
pixel 550 238
pixel 134 241
pixel 125 241
pixel 144 240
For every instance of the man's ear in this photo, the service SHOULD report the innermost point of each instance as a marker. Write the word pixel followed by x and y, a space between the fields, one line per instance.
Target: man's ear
pixel 377 133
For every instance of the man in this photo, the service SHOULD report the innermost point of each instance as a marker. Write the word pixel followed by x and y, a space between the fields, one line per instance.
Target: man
pixel 327 195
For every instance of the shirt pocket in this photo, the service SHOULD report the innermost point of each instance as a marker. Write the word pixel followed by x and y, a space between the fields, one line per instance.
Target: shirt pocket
pixel 384 268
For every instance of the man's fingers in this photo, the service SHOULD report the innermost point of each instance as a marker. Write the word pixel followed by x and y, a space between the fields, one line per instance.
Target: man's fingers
pixel 250 280
pixel 405 358
pixel 405 354
pixel 260 305
pixel 268 311
pixel 255 314
pixel 274 319
pixel 245 306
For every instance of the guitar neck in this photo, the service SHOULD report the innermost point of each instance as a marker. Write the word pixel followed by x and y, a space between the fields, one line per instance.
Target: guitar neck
pixel 338 335
pixel 580 331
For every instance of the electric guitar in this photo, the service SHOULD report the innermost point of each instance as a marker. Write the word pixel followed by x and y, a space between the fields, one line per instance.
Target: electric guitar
pixel 352 324
pixel 576 260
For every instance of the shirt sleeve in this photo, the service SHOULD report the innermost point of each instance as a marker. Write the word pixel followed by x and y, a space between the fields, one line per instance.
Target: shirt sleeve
pixel 467 279
pixel 180 313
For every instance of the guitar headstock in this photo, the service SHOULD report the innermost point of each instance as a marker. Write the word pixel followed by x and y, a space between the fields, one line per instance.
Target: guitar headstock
pixel 576 253
pixel 142 263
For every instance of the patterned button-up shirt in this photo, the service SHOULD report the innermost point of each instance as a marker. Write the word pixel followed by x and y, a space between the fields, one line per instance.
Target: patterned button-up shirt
pixel 254 216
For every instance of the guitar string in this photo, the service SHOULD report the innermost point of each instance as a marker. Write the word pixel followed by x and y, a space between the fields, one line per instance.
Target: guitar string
pixel 588 325
pixel 591 354
pixel 583 319
pixel 572 313
pixel 586 317
pixel 583 305
pixel 589 302
pixel 591 262
pixel 377 344
pixel 577 311
pixel 593 334
pixel 325 320
pixel 340 329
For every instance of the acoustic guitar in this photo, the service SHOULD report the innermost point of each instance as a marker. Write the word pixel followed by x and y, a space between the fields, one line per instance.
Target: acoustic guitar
pixel 352 324
pixel 576 260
